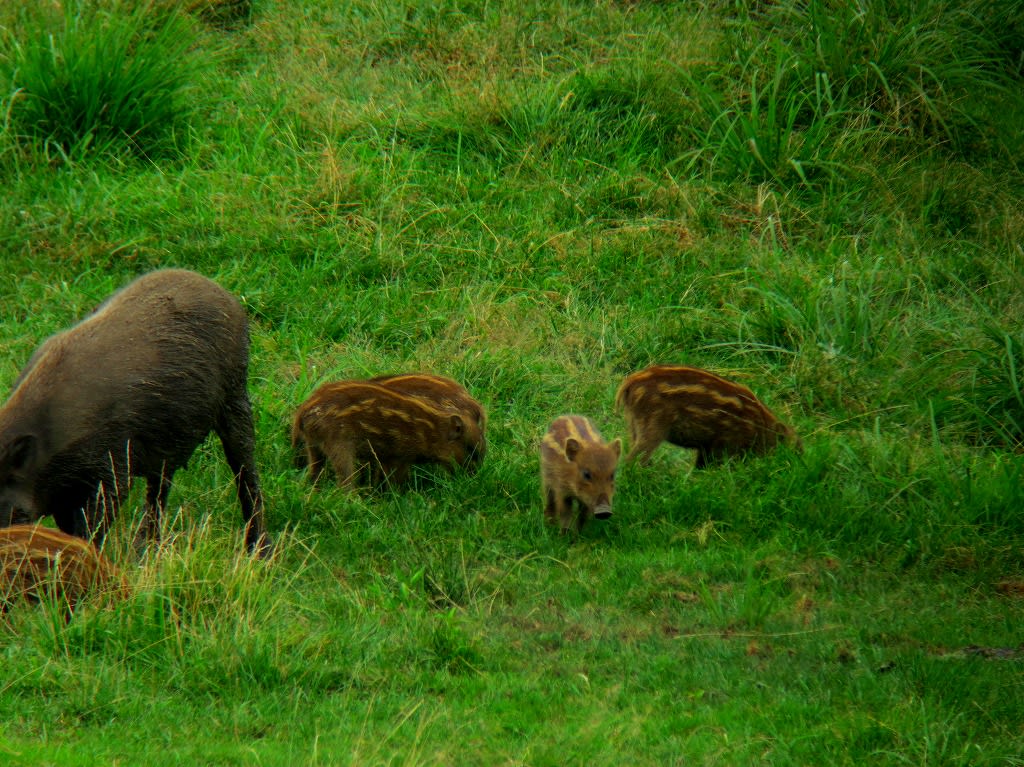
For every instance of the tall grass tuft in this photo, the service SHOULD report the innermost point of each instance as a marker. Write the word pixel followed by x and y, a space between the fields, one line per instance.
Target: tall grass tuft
pixel 989 404
pixel 775 127
pixel 101 80
pixel 932 70
pixel 226 14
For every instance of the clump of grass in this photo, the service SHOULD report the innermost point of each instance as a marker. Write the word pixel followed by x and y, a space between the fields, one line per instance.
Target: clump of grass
pixel 989 403
pixel 838 82
pixel 101 80
pixel 849 314
pixel 194 595
pixel 226 14
pixel 928 70
pixel 776 128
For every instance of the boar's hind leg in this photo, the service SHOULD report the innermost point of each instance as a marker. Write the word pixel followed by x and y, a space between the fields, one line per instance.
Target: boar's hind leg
pixel 158 487
pixel 341 456
pixel 314 462
pixel 238 437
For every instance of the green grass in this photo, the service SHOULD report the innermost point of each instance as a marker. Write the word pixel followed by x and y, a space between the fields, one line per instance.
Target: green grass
pixel 98 80
pixel 537 204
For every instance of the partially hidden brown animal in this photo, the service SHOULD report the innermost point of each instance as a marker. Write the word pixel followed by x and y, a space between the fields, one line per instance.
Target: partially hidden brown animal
pixel 440 391
pixel 351 424
pixel 694 408
pixel 130 391
pixel 37 562
pixel 577 469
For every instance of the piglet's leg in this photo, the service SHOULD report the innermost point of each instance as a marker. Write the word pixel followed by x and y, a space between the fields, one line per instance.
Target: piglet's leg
pixel 341 456
pixel 645 442
pixel 550 507
pixel 564 510
pixel 315 462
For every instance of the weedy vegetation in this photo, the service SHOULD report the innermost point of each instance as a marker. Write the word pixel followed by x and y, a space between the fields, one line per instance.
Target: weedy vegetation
pixel 823 201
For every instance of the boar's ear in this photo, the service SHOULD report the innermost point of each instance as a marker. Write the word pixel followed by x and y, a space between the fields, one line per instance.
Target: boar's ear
pixel 572 447
pixel 616 447
pixel 456 428
pixel 795 442
pixel 18 452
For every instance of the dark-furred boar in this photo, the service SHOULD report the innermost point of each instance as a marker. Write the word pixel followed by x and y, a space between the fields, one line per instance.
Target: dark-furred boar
pixel 693 408
pixel 577 467
pixel 130 391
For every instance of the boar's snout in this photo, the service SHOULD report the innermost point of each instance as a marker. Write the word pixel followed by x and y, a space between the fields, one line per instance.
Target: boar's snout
pixel 474 459
pixel 15 515
pixel 604 511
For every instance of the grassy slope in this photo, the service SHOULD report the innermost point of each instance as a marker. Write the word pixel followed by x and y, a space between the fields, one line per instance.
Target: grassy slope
pixel 507 200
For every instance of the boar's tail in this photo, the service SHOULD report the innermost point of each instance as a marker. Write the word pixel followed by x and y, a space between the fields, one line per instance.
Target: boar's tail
pixel 299 458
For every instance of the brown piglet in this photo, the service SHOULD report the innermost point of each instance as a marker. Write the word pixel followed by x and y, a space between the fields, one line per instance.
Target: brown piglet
pixel 351 424
pixel 441 392
pixel 694 408
pixel 577 468
pixel 36 561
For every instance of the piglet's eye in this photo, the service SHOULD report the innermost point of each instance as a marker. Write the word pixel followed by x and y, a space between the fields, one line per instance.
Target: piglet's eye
pixel 586 475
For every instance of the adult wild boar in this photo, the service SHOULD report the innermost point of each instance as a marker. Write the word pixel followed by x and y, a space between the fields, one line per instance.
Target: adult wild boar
pixel 130 391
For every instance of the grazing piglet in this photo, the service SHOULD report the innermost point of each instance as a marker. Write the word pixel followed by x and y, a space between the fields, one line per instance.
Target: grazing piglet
pixel 441 392
pixel 36 561
pixel 577 465
pixel 696 409
pixel 130 391
pixel 354 423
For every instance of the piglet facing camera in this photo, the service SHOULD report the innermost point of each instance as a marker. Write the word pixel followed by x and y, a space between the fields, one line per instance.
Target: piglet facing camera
pixel 577 470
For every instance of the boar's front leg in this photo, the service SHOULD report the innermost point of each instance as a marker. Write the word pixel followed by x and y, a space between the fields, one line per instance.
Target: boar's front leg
pixel 394 473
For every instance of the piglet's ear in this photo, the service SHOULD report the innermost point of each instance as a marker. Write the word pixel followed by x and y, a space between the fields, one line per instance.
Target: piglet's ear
pixel 572 447
pixel 455 426
pixel 616 447
pixel 18 452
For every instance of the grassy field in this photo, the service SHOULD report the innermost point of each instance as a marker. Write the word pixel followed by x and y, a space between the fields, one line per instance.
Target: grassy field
pixel 821 200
